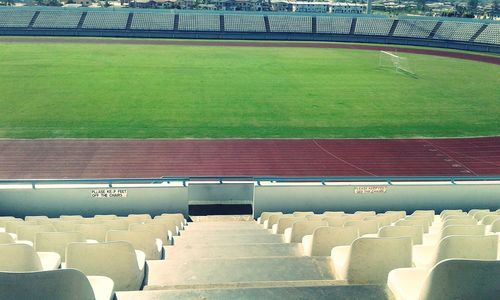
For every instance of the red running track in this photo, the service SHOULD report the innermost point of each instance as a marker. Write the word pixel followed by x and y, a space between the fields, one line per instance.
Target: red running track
pixel 30 159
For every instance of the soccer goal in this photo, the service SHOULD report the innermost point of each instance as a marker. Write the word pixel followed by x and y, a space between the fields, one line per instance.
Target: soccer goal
pixel 392 60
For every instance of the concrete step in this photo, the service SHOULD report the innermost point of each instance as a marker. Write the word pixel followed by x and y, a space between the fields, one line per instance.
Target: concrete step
pixel 201 233
pixel 232 251
pixel 231 270
pixel 208 226
pixel 345 292
pixel 228 239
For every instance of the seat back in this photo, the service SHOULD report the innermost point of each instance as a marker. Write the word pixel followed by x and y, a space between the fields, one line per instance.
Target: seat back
pixel 55 284
pixel 28 232
pixel 56 241
pixel 333 213
pixel 337 221
pixel 264 216
pixel 365 213
pixel 116 260
pixel 178 218
pixel 495 226
pixel 138 217
pixel 4 220
pixel 117 224
pixel 273 219
pixel 489 219
pixel 302 214
pixel 105 217
pixel 302 228
pixel 143 240
pixel 467 247
pixel 171 224
pixel 364 227
pixel 93 231
pixel 325 238
pixel 70 218
pixel 481 214
pixel 427 218
pixel 382 220
pixel 159 230
pixel 6 238
pixel 64 226
pixel 11 226
pixel 19 258
pixel 396 214
pixel 462 230
pixel 38 219
pixel 414 232
pixel 371 259
pixel 461 221
pixel 448 212
pixel 462 279
pixel 414 222
pixel 314 217
pixel 286 222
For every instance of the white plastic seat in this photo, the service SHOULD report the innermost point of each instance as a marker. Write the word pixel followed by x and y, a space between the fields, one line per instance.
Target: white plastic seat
pixel 5 219
pixel 116 224
pixel 365 213
pixel 40 220
pixel 324 239
pixel 6 238
pixel 314 218
pixel 28 232
pixel 138 217
pixel 456 246
pixel 70 218
pixel 495 226
pixel 449 279
pixel 264 216
pixel 93 231
pixel 414 222
pixel 159 230
pixel 145 241
pixel 369 260
pixel 382 220
pixel 116 260
pixel 56 284
pixel 298 230
pixel 22 258
pixel 284 223
pixel 434 238
pixel 481 214
pixel 464 221
pixel 395 214
pixel 178 217
pixel 364 227
pixel 172 225
pixel 414 232
pixel 56 242
pixel 489 219
pixel 337 221
pixel 64 226
pixel 273 219
pixel 11 226
pixel 448 212
pixel 105 217
pixel 333 213
pixel 302 214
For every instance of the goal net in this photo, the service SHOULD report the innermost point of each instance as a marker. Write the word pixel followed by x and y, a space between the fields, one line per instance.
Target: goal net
pixel 392 60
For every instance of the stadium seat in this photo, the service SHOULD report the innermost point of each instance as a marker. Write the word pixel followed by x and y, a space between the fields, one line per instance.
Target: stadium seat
pixel 264 216
pixel 324 239
pixel 39 219
pixel 28 232
pixel 449 279
pixel 116 260
pixel 22 258
pixel 273 219
pixel 6 238
pixel 414 222
pixel 382 220
pixel 369 260
pixel 489 219
pixel 337 221
pixel 118 224
pixel 298 230
pixel 333 213
pixel 4 220
pixel 302 214
pixel 64 226
pixel 456 246
pixel 138 217
pixel 105 217
pixel 11 226
pixel 414 232
pixel 364 227
pixel 315 218
pixel 284 223
pixel 93 231
pixel 159 230
pixel 365 213
pixel 460 221
pixel 145 241
pixel 448 212
pixel 481 214
pixel 71 218
pixel 180 220
pixel 434 238
pixel 495 226
pixel 56 242
pixel 172 225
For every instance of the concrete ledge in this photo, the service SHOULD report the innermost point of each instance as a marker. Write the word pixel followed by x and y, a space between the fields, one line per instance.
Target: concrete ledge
pixel 232 251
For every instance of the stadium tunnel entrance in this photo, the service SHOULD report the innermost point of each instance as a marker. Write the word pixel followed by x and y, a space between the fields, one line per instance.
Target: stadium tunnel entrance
pixel 215 198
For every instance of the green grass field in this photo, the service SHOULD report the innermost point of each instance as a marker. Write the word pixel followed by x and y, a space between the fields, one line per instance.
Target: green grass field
pixel 50 90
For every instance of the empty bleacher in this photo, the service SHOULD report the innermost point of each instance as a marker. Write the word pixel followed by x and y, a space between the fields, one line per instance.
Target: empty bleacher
pixel 283 24
pixel 105 20
pixel 335 25
pixel 199 22
pixel 15 18
pixel 244 23
pixel 490 35
pixel 57 19
pixel 373 26
pixel 152 21
pixel 457 31
pixel 414 28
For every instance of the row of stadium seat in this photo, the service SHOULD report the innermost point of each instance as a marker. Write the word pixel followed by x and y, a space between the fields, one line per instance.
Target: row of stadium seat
pixel 328 248
pixel 448 30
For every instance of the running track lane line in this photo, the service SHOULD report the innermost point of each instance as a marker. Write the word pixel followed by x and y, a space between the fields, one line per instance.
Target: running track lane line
pixel 342 160
pixel 450 157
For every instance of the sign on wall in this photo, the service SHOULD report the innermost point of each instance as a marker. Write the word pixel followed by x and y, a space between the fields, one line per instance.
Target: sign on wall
pixel 109 193
pixel 370 189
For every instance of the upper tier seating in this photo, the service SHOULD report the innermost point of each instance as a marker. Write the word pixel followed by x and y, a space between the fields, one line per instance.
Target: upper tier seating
pixel 414 28
pixel 457 31
pixel 105 20
pixel 152 21
pixel 65 284
pixel 58 19
pixel 491 35
pixel 244 23
pixel 15 18
pixel 199 22
pixel 105 217
pixel 290 24
pixel 449 279
pixel 336 25
pixel 116 260
pixel 373 26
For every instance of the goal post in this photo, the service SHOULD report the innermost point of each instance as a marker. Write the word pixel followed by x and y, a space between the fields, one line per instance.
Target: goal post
pixel 394 61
